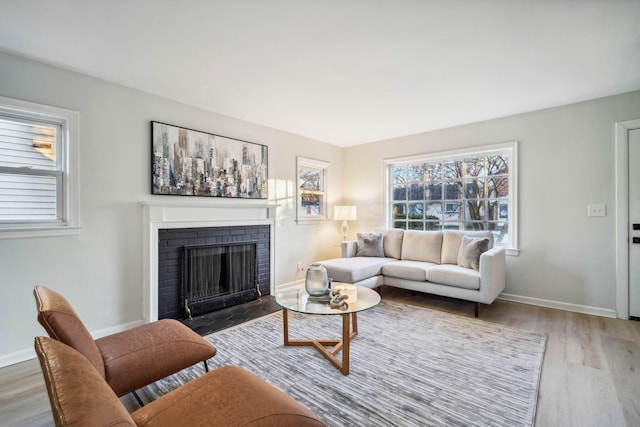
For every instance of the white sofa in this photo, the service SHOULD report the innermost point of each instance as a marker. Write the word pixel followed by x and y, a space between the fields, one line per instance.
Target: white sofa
pixel 425 261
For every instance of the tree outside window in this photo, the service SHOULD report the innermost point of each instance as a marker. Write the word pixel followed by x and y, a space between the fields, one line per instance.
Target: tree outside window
pixel 455 191
pixel 312 198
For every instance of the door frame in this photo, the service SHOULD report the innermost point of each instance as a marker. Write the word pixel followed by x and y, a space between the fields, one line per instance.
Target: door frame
pixel 622 214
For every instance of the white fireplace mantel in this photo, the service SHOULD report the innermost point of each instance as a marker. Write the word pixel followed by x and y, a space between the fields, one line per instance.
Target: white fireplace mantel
pixel 192 214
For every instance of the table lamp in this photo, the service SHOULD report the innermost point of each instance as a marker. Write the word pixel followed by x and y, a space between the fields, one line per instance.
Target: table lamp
pixel 344 214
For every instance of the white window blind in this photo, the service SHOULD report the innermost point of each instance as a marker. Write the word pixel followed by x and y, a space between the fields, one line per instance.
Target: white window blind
pixel 30 173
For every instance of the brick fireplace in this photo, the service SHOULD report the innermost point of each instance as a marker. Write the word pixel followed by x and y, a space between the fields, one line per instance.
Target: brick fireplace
pixel 209 223
pixel 205 269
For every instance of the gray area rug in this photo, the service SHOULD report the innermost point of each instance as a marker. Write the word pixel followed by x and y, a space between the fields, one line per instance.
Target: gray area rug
pixel 409 367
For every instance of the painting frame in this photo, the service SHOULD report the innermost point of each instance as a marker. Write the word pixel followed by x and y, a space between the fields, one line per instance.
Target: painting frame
pixel 188 162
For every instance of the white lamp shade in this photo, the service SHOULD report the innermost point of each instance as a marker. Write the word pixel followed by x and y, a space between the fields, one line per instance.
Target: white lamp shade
pixel 344 213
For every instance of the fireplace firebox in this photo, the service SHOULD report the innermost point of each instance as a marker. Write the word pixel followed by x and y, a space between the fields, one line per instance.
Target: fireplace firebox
pixel 216 274
pixel 201 270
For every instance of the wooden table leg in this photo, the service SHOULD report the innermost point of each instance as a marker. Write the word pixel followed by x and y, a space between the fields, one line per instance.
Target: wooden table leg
pixel 346 341
pixel 349 331
pixel 285 321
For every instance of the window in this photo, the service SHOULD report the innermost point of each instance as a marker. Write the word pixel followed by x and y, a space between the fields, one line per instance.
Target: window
pixel 37 180
pixel 312 193
pixel 462 190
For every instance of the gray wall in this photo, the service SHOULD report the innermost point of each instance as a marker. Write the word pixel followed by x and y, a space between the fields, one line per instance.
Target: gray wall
pixel 566 161
pixel 101 271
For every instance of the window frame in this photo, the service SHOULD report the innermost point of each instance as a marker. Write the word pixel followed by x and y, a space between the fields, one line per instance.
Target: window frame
pixel 511 148
pixel 66 172
pixel 323 167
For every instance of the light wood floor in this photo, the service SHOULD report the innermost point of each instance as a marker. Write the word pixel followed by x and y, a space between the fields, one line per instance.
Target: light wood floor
pixel 590 375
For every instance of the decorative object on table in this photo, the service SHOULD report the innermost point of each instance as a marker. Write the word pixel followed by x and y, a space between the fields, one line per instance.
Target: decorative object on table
pixel 344 214
pixel 187 162
pixel 351 291
pixel 317 282
pixel 338 300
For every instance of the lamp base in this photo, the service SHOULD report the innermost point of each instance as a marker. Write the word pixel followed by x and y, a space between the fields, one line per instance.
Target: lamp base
pixel 345 230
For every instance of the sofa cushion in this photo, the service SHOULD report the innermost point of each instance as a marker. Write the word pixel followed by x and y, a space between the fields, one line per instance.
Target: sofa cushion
pixel 369 244
pixel 352 270
pixel 451 241
pixel 392 242
pixel 470 250
pixel 410 270
pixel 454 275
pixel 422 246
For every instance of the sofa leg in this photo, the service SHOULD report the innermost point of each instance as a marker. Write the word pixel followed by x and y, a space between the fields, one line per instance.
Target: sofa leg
pixel 476 309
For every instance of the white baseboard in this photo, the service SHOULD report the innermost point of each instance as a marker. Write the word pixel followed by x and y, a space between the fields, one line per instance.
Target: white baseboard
pixel 285 286
pixel 29 353
pixel 596 311
pixel 17 357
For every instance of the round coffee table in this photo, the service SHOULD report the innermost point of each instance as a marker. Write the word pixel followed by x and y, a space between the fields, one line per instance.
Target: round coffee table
pixel 296 299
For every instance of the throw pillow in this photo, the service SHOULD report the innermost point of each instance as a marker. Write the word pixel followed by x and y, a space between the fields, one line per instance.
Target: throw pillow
pixel 470 250
pixel 369 244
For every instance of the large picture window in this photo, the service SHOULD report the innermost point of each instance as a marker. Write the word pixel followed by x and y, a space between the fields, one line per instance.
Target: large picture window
pixel 36 174
pixel 463 190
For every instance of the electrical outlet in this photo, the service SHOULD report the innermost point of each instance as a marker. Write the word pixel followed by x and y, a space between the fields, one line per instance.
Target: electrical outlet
pixel 598 209
pixel 299 267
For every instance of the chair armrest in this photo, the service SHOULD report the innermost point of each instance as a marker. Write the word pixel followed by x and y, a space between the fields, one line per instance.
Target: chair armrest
pixel 143 355
pixel 349 249
pixel 492 274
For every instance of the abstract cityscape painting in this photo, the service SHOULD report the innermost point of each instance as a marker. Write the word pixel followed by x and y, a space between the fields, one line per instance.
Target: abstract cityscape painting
pixel 186 162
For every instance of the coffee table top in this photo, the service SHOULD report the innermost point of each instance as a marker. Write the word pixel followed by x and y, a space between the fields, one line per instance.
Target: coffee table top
pixel 296 299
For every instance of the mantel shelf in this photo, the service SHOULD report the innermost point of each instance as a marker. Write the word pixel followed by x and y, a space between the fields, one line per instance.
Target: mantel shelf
pixel 209 204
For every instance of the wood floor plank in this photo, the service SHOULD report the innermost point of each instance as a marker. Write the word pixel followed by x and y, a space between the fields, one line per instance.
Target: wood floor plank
pixel 23 396
pixel 623 358
pixel 584 346
pixel 593 400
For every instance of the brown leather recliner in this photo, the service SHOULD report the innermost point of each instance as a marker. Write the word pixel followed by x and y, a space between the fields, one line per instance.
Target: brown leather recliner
pixel 227 396
pixel 130 359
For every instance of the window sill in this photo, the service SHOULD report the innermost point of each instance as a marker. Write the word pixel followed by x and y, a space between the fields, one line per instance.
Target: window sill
pixel 512 252
pixel 34 232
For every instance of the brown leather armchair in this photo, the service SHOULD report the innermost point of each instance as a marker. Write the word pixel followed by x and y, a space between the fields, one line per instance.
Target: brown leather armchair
pixel 130 359
pixel 227 396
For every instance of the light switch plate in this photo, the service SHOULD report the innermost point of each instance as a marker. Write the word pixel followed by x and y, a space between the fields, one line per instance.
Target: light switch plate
pixel 598 209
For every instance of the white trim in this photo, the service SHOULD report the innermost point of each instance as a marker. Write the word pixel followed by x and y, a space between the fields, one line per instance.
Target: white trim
pixel 451 154
pixel 558 305
pixel 35 232
pixel 17 357
pixel 622 214
pixel 164 215
pixel 70 123
pixel 285 286
pixel 324 167
pixel 29 353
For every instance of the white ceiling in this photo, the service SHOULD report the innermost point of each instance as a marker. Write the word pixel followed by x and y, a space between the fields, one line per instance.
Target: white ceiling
pixel 342 71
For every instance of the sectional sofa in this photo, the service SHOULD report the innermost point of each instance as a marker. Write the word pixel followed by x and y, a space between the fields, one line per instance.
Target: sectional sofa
pixel 457 264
